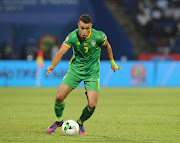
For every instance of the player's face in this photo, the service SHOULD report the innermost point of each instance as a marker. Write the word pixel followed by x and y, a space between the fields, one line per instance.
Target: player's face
pixel 84 29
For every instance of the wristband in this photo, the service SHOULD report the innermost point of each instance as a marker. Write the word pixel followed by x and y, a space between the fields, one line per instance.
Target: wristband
pixel 113 63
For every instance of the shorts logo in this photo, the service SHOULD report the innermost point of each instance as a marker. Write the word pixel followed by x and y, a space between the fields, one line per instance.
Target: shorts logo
pixel 64 77
pixel 93 42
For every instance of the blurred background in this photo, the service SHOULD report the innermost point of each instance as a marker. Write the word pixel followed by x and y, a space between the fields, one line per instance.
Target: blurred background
pixel 144 35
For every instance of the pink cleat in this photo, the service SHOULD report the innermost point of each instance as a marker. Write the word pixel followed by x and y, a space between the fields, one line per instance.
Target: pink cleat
pixel 81 130
pixel 52 128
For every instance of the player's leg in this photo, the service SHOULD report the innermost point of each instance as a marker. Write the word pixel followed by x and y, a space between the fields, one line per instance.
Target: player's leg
pixel 70 81
pixel 92 93
pixel 62 93
pixel 88 110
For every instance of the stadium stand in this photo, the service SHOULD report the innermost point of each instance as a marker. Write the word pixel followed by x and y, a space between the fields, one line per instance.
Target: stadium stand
pixel 158 21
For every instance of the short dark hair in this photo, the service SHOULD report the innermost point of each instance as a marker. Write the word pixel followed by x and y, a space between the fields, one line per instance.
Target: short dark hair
pixel 85 18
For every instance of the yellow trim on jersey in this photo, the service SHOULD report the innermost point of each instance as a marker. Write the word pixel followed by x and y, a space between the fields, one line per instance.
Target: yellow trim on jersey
pixel 66 45
pixel 104 41
pixel 72 57
pixel 89 34
pixel 99 56
pixel 98 82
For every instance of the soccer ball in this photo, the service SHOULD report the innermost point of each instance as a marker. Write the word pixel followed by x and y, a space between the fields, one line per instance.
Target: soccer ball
pixel 70 127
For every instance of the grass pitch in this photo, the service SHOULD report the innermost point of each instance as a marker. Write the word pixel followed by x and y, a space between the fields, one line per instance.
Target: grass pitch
pixel 123 115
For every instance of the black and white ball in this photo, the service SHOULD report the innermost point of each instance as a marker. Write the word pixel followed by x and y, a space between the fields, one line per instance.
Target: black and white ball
pixel 70 127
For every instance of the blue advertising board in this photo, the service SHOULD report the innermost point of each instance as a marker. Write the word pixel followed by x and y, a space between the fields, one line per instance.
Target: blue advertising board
pixel 135 74
pixel 168 74
pixel 132 74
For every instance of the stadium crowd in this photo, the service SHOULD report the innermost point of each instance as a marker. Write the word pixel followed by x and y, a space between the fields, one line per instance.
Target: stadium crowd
pixel 158 21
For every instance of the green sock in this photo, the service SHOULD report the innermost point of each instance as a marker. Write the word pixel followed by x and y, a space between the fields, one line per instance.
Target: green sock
pixel 86 114
pixel 58 108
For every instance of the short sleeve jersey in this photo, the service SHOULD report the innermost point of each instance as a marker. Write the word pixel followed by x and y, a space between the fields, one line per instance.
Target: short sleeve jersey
pixel 86 52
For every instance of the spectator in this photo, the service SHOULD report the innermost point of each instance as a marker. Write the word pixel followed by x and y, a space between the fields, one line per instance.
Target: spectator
pixel 159 21
pixel 176 13
pixel 178 28
pixel 162 4
pixel 156 14
pixel 31 50
pixel 168 13
pixel 143 19
pixel 140 5
pixel 6 50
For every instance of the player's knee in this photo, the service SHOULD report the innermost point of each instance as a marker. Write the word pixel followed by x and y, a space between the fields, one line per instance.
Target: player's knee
pixel 92 106
pixel 59 98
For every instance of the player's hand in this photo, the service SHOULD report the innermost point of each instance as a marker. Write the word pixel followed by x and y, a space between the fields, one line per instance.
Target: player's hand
pixel 49 70
pixel 114 66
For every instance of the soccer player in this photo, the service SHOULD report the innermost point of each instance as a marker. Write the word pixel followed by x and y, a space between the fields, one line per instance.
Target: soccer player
pixel 84 66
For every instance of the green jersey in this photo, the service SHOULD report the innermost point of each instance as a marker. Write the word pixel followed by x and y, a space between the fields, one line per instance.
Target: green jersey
pixel 86 52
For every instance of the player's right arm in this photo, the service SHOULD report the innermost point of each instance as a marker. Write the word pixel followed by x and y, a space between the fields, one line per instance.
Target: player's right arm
pixel 57 58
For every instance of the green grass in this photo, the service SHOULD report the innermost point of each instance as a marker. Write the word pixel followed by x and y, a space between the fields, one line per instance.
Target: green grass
pixel 123 115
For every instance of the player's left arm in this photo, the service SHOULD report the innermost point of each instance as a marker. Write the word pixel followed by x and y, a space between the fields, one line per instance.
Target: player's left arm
pixel 109 52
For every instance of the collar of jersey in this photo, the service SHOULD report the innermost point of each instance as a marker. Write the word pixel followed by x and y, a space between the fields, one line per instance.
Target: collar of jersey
pixel 87 36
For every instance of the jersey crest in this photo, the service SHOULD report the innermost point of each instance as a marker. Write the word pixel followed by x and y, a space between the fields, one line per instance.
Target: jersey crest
pixel 93 42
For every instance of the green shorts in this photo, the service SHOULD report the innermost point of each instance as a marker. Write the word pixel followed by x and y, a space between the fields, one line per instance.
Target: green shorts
pixel 91 82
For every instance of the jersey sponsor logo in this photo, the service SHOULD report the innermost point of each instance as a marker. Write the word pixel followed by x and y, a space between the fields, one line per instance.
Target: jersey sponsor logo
pixel 86 44
pixel 93 42
pixel 78 43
